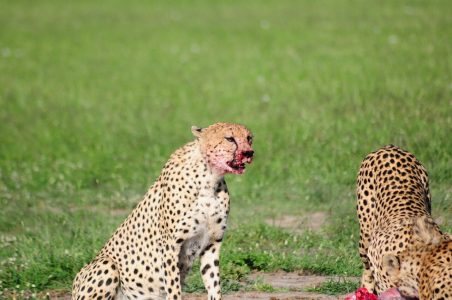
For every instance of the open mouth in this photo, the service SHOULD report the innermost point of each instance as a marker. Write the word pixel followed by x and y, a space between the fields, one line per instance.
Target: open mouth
pixel 238 166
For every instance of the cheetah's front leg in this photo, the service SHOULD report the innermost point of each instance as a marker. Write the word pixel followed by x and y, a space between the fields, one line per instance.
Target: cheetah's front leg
pixel 210 270
pixel 367 278
pixel 172 273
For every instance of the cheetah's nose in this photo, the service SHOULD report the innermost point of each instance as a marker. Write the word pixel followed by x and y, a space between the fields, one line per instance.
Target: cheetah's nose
pixel 248 154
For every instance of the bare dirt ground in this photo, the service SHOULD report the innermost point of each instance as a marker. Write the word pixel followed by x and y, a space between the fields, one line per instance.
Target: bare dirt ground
pixel 295 280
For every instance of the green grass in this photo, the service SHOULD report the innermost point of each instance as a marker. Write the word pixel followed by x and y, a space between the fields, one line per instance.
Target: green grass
pixel 336 287
pixel 95 96
pixel 260 286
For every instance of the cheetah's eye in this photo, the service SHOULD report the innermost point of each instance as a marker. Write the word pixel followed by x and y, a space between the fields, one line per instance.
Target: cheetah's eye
pixel 230 139
pixel 250 139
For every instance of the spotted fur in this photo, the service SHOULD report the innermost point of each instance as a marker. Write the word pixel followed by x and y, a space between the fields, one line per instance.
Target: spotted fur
pixel 182 216
pixel 435 276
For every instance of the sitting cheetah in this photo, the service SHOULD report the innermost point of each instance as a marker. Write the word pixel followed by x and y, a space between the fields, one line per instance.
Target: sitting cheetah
pixel 182 216
pixel 399 242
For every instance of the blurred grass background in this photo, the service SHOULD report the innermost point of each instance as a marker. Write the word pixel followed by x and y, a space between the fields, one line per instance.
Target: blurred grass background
pixel 95 96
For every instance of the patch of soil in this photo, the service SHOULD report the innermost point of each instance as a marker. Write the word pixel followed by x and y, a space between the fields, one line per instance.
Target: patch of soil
pixel 313 221
pixel 295 281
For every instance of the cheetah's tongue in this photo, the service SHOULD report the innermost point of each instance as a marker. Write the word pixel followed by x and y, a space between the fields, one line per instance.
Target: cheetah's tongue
pixel 392 294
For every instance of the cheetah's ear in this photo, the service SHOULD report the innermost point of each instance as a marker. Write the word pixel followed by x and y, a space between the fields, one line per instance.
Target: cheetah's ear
pixel 426 231
pixel 197 131
pixel 391 265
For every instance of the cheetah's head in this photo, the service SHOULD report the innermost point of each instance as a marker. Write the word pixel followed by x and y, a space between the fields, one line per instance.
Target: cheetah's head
pixel 403 271
pixel 226 147
pixel 403 268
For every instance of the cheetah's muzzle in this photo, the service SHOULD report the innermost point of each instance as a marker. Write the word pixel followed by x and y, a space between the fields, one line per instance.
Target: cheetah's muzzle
pixel 239 163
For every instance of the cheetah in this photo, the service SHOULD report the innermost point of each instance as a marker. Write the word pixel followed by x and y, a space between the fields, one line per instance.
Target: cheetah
pixel 399 241
pixel 182 217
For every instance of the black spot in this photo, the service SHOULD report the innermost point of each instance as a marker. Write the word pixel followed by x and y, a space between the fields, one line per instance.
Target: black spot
pixel 205 268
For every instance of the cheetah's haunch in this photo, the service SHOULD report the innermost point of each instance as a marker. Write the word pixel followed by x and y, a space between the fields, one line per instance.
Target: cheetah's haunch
pixel 182 216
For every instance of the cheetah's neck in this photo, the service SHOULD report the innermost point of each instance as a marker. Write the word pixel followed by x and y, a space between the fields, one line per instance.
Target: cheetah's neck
pixel 188 169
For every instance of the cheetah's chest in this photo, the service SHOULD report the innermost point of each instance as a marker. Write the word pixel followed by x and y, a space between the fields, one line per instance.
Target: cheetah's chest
pixel 206 223
pixel 207 220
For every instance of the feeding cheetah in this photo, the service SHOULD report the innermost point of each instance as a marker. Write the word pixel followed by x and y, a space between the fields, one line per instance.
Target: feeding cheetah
pixel 182 216
pixel 404 253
